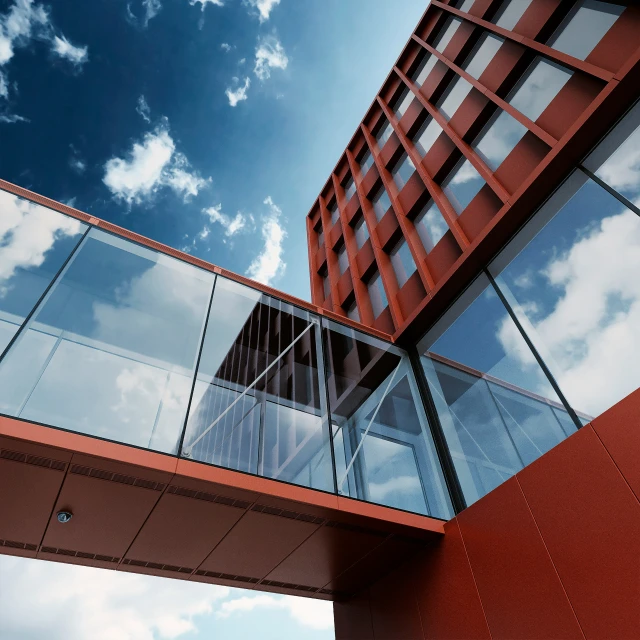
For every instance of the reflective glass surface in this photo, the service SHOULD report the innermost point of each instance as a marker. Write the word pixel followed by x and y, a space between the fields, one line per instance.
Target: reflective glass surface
pixel 616 160
pixel 259 403
pixel 384 133
pixel 446 33
pixel 584 27
pixel 402 262
pixel 382 443
pixel 498 139
pixel 482 54
pixel 349 188
pixel 496 406
pixel 334 211
pixel 571 276
pixel 453 97
pixel 326 284
pixel 34 244
pixel 462 185
pixel 320 238
pixel 361 231
pixel 377 294
pixel 366 162
pixel 402 102
pixel 403 170
pixel 510 13
pixel 111 350
pixel 426 136
pixel 538 87
pixel 381 203
pixel 424 69
pixel 343 259
pixel 352 312
pixel 430 225
pixel 465 5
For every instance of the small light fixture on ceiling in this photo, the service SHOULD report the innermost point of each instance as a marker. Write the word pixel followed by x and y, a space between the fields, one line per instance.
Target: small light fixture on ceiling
pixel 64 516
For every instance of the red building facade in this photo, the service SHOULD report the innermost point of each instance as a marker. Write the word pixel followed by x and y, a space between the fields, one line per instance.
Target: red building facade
pixel 444 444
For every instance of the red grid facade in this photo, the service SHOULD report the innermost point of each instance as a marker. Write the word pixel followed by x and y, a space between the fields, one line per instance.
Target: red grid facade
pixel 600 89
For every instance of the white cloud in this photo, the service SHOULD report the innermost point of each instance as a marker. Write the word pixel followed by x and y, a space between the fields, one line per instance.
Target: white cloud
pixel 270 54
pixel 78 165
pixel 204 3
pixel 63 48
pixel 316 614
pixel 591 336
pixel 238 92
pixel 225 46
pixel 143 109
pixel 27 233
pixel 231 225
pixel 264 7
pixel 11 118
pixel 22 23
pixel 269 263
pixel 150 165
pixel 75 603
pixel 151 9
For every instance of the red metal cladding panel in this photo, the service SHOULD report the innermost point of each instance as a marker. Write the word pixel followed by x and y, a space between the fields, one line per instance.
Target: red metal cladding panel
pixel 27 494
pixel 352 620
pixel 590 522
pixel 257 544
pixel 107 515
pixel 394 609
pixel 325 555
pixel 619 431
pixel 521 594
pixel 183 530
pixel 447 596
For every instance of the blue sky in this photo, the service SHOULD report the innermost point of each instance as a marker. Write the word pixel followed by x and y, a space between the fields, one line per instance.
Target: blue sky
pixel 211 126
pixel 124 109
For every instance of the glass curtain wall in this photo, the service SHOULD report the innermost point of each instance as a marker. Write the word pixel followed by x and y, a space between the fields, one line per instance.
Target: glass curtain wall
pixel 384 452
pixel 259 402
pixel 111 349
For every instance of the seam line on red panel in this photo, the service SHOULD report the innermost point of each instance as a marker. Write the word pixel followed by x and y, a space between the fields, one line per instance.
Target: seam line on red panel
pixel 475 583
pixel 553 564
pixel 124 555
pixel 53 508
pixel 613 460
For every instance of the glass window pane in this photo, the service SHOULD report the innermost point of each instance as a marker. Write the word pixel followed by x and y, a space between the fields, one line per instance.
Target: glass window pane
pixel 352 312
pixel 446 33
pixel 584 27
pixel 538 87
pixel 430 225
pixel 259 402
pixel 616 160
pixel 465 5
pixel 510 13
pixel 326 284
pixel 320 238
pixel 384 133
pixel 111 351
pixel 402 262
pixel 403 170
pixel 426 136
pixel 349 188
pixel 381 203
pixel 462 185
pixel 493 399
pixel 377 294
pixel 498 139
pixel 402 102
pixel 383 446
pixel 453 97
pixel 366 162
pixel 34 243
pixel 571 277
pixel 424 69
pixel 334 211
pixel 482 54
pixel 361 231
pixel 343 259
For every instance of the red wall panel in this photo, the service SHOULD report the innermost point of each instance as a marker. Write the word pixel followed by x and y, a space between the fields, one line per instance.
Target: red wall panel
pixel 590 521
pixel 519 588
